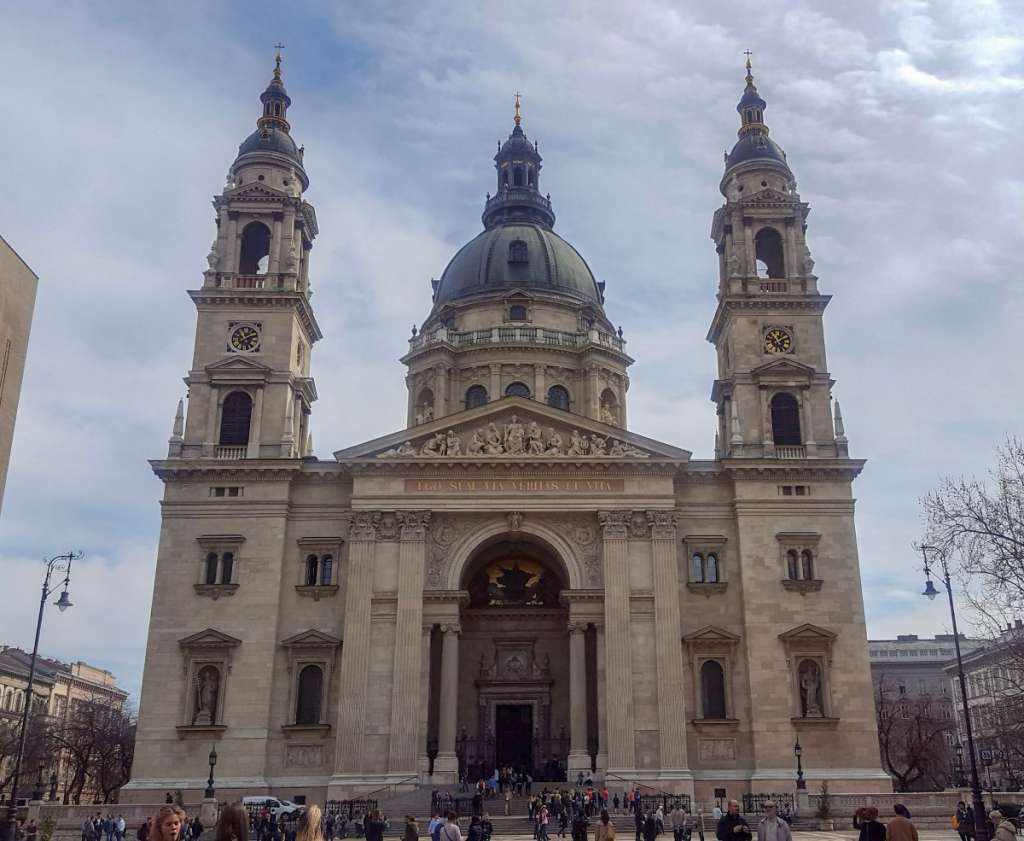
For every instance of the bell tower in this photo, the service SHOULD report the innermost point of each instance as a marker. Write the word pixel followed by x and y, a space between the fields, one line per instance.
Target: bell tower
pixel 249 389
pixel 773 391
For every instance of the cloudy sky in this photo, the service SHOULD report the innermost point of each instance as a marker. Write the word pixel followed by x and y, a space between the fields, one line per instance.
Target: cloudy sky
pixel 900 119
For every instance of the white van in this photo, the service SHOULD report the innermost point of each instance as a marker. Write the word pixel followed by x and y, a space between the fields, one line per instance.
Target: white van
pixel 277 808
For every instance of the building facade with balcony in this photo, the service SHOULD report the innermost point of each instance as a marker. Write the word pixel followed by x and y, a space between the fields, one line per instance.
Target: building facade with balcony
pixel 513 576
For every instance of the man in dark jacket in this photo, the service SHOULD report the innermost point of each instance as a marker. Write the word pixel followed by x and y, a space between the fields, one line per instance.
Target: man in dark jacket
pixel 733 826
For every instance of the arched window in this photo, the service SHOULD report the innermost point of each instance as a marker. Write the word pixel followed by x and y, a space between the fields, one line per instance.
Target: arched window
pixel 807 565
pixel 517 312
pixel 768 249
pixel 609 407
pixel 792 565
pixel 531 177
pixel 711 569
pixel 517 390
pixel 211 568
pixel 712 681
pixel 476 395
pixel 517 177
pixel 504 177
pixel 227 567
pixel 235 418
pixel 311 570
pixel 786 420
pixel 277 109
pixel 558 397
pixel 255 251
pixel 326 570
pixel 307 708
pixel 697 568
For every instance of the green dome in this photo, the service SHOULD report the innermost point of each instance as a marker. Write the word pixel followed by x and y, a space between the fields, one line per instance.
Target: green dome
pixel 517 256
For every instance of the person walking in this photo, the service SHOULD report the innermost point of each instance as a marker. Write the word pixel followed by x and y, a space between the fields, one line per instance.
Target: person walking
pixel 119 827
pixel 373 827
pixel 650 827
pixel 1005 830
pixel 168 823
pixel 772 827
pixel 232 824
pixel 475 831
pixel 605 829
pixel 964 818
pixel 871 828
pixel 900 828
pixel 411 831
pixel 733 826
pixel 450 831
pixel 434 827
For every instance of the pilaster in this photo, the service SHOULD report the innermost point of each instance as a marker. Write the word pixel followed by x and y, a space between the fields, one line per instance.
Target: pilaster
pixel 407 693
pixel 355 653
pixel 446 765
pixel 579 759
pixel 619 695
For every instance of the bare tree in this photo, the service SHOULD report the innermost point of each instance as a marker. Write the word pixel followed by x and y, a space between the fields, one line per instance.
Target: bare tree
pixel 911 739
pixel 97 741
pixel 37 750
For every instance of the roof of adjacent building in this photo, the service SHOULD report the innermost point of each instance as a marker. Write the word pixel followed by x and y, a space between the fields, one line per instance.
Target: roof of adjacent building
pixel 15 661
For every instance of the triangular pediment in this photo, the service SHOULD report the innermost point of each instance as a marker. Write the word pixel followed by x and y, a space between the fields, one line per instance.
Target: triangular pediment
pixel 237 363
pixel 766 196
pixel 311 639
pixel 209 638
pixel 711 633
pixel 784 368
pixel 256 189
pixel 513 428
pixel 807 631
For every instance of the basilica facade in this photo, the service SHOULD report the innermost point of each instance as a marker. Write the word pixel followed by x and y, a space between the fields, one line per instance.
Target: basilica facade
pixel 514 577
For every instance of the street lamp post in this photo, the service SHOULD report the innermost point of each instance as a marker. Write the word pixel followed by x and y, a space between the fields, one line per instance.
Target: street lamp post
pixel 959 764
pixel 798 751
pixel 209 783
pixel 977 801
pixel 59 563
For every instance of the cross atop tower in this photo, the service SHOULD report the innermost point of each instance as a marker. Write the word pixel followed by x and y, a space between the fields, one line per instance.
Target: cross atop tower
pixel 277 59
pixel 517 118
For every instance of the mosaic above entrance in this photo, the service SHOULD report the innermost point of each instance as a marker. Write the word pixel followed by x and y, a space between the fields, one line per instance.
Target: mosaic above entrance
pixel 515 582
pixel 514 438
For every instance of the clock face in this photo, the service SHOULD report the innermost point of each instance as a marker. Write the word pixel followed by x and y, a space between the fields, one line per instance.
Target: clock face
pixel 245 339
pixel 777 340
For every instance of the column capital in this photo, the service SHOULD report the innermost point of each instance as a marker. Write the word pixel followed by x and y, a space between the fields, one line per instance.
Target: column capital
pixel 413 524
pixel 663 524
pixel 614 524
pixel 362 525
pixel 451 628
pixel 576 628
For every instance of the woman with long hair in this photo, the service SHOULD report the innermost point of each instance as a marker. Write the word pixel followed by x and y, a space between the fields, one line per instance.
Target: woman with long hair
pixel 310 824
pixel 168 823
pixel 233 823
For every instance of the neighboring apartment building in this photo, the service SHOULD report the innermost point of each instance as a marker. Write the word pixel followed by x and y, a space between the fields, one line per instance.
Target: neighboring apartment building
pixel 58 688
pixel 17 300
pixel 912 685
pixel 994 675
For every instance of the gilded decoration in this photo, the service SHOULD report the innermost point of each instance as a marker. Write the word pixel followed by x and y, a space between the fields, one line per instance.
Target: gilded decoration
pixel 514 582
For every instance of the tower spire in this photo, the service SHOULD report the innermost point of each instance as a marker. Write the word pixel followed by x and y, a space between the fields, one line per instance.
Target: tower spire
pixel 517 119
pixel 277 62
pixel 751 106
pixel 275 99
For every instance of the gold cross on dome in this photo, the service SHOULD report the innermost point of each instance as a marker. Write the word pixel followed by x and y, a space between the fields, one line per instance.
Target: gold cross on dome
pixel 517 117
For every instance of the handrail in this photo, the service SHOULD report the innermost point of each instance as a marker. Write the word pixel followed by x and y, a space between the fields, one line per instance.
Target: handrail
pixel 662 792
pixel 369 795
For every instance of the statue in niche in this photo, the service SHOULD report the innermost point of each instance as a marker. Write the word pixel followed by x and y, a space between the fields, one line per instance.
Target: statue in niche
pixel 515 437
pixel 207 685
pixel 607 416
pixel 810 690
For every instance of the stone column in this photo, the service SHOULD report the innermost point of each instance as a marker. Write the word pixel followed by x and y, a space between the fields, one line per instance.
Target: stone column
pixel 256 430
pixel 355 653
pixel 495 390
pixel 539 385
pixel 579 759
pixel 446 762
pixel 231 246
pixel 422 759
pixel 667 645
pixel 595 393
pixel 602 704
pixel 748 238
pixel 618 669
pixel 212 405
pixel 808 421
pixel 274 264
pixel 406 691
pixel 441 392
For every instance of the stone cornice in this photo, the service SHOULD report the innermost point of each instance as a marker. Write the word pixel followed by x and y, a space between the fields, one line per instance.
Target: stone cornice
pixel 208 469
pixel 810 468
pixel 752 303
pixel 283 299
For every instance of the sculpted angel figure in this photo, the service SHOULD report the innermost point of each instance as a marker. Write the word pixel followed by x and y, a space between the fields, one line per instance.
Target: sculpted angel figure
pixel 809 684
pixel 493 447
pixel 515 437
pixel 617 448
pixel 597 445
pixel 535 441
pixel 554 447
pixel 578 445
pixel 476 444
pixel 452 443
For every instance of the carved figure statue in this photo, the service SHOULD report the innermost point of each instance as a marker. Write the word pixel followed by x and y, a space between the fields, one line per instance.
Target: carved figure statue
pixel 207 682
pixel 808 260
pixel 515 437
pixel 554 446
pixel 607 416
pixel 434 446
pixel 476 444
pixel 617 448
pixel 406 449
pixel 578 445
pixel 535 442
pixel 213 258
pixel 493 447
pixel 515 520
pixel 292 263
pixel 732 264
pixel 810 689
pixel 597 445
pixel 452 443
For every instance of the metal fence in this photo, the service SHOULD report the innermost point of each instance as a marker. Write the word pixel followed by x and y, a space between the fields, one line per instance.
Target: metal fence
pixel 349 808
pixel 754 803
pixel 667 802
pixel 442 802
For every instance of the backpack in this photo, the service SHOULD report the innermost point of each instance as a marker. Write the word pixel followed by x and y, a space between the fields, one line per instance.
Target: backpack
pixel 435 833
pixel 954 821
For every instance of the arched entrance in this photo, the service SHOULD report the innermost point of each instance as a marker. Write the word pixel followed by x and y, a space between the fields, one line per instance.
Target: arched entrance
pixel 513 700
